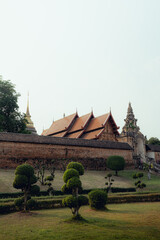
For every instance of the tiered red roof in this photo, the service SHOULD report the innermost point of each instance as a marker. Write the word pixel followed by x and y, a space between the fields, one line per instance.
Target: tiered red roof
pixel 86 127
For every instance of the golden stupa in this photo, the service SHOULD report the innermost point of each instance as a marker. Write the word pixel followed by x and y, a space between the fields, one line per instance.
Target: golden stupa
pixel 30 125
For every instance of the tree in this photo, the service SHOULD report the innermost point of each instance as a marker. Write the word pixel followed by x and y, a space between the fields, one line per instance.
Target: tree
pixel 41 166
pixel 110 181
pixel 116 163
pixel 139 184
pixel 11 120
pixel 73 183
pixel 153 141
pixel 25 180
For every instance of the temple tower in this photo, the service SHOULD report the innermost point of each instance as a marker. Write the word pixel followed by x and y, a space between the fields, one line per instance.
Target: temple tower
pixel 132 135
pixel 30 125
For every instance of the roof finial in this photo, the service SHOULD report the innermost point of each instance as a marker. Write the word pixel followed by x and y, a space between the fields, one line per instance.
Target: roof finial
pixel 27 112
pixel 91 109
pixel 64 115
pixel 76 111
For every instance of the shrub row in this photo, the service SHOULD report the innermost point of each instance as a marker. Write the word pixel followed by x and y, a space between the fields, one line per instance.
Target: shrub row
pixel 51 203
pixel 58 192
pixel 153 197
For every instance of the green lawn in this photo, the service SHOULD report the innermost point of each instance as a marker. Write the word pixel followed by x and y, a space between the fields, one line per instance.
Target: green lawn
pixel 90 180
pixel 122 221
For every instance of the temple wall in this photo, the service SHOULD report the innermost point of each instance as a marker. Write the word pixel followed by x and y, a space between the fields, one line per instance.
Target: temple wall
pixel 108 133
pixel 15 153
pixel 157 157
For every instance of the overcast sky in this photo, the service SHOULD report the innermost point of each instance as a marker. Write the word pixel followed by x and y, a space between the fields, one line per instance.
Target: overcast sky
pixel 83 54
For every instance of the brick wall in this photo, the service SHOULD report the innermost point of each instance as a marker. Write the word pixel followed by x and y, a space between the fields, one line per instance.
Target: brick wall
pixel 14 153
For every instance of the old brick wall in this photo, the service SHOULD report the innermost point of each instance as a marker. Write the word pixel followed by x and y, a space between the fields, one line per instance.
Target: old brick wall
pixel 157 157
pixel 14 153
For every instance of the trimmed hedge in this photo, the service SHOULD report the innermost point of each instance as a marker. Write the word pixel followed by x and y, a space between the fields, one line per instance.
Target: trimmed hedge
pixel 58 192
pixel 57 203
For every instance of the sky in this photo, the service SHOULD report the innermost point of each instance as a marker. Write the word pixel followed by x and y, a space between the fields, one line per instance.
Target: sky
pixel 83 54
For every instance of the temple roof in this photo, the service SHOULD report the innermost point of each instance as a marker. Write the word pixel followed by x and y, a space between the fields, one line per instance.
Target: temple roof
pixel 86 127
pixel 60 125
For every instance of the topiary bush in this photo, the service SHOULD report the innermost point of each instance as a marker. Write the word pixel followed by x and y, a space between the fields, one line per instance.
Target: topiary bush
pixel 76 165
pixel 116 163
pixel 73 184
pixel 24 180
pixel 97 199
pixel 139 184
pixel 69 173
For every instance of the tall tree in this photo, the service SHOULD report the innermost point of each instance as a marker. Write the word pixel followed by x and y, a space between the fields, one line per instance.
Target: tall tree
pixel 153 141
pixel 11 120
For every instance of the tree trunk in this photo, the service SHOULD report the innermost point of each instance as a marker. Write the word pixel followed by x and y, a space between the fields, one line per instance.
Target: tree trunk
pixel 25 200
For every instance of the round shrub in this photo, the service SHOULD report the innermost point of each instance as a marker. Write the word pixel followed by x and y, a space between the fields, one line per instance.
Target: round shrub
pixel 116 163
pixel 35 190
pixel 70 202
pixel 31 203
pixel 73 183
pixel 82 200
pixel 69 173
pixel 19 202
pixel 76 165
pixel 97 199
pixel 49 178
pixel 20 181
pixel 139 175
pixel 25 169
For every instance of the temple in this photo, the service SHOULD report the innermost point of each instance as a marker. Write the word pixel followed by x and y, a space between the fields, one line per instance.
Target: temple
pixel 85 127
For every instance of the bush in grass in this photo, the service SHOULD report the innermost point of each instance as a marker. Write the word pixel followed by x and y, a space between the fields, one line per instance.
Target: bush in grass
pixel 109 182
pixel 49 178
pixel 116 163
pixel 31 204
pixel 25 180
pixel 19 203
pixel 73 184
pixel 139 184
pixel 97 199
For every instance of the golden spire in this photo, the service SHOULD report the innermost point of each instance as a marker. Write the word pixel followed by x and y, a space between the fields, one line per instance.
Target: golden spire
pixel 27 111
pixel 30 125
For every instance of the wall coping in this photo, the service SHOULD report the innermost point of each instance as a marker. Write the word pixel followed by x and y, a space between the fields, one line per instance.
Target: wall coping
pixel 37 139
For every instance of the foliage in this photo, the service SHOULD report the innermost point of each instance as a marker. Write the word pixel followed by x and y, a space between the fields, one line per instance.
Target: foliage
pixel 73 183
pixel 31 204
pixel 11 120
pixel 19 203
pixel 24 179
pixel 97 199
pixel 69 173
pixel 110 181
pixel 76 165
pixel 41 166
pixel 153 141
pixel 116 163
pixel 139 184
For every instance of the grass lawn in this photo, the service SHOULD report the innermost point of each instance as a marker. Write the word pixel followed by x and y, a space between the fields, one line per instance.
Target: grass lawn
pixel 90 180
pixel 138 221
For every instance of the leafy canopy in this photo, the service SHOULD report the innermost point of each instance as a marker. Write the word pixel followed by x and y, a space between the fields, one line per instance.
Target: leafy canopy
pixel 11 120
